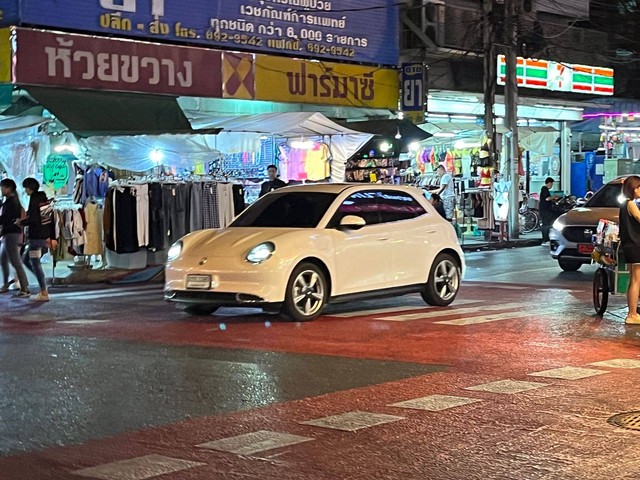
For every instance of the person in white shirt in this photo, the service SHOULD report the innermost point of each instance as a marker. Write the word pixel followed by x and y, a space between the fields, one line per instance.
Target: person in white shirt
pixel 446 192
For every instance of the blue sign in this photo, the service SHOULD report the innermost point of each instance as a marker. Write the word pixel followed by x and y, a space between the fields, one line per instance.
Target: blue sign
pixel 414 87
pixel 8 12
pixel 353 30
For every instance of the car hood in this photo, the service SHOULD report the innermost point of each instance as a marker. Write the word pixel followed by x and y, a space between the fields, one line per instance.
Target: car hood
pixel 585 216
pixel 223 242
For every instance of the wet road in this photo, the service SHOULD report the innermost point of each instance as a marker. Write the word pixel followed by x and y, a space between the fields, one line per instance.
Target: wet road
pixel 116 384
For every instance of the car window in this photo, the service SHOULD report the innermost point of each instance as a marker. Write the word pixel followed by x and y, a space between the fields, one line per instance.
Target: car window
pixel 397 205
pixel 608 197
pixel 378 206
pixel 287 210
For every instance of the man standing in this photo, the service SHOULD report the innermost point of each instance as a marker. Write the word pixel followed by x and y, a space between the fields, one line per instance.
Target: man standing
pixel 546 209
pixel 273 183
pixel 446 192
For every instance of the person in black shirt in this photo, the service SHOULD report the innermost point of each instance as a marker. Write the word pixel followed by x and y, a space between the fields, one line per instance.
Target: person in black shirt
pixel 273 183
pixel 629 233
pixel 546 209
pixel 41 232
pixel 436 201
pixel 11 237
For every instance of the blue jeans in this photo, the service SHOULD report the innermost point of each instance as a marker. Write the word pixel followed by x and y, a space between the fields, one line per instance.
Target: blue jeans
pixel 10 254
pixel 31 259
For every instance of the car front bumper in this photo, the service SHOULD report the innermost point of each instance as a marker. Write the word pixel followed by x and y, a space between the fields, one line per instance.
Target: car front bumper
pixel 561 248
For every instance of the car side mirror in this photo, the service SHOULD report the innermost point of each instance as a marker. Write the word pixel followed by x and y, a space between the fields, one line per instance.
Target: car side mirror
pixel 352 222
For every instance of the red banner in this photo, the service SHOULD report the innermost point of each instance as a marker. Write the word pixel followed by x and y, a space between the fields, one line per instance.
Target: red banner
pixel 82 61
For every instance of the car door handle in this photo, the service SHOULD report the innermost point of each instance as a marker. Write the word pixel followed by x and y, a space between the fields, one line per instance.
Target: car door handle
pixel 383 239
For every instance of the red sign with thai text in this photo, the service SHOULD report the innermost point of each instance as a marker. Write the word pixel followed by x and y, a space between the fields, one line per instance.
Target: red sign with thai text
pixel 82 61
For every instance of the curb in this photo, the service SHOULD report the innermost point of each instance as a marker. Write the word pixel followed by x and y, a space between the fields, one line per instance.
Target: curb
pixel 487 246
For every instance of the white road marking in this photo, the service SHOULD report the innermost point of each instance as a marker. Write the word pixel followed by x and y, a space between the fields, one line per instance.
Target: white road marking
pixel 375 311
pixel 449 312
pixel 254 442
pixel 516 315
pixel 139 468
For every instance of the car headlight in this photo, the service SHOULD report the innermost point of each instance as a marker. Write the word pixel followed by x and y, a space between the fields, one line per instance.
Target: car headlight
pixel 558 225
pixel 174 251
pixel 261 253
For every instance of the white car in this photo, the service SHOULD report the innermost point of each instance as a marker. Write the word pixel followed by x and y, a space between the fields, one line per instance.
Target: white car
pixel 300 247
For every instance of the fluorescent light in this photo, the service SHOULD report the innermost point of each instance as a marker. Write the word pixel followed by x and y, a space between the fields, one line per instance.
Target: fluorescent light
pixel 444 134
pixel 302 144
pixel 463 117
pixel 385 147
pixel 156 156
pixel 414 146
pixel 461 145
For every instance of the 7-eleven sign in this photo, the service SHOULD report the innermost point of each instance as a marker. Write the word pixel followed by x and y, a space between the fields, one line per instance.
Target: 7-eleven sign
pixel 557 76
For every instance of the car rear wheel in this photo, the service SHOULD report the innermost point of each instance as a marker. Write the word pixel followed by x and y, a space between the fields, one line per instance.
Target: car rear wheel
pixel 307 293
pixel 201 309
pixel 569 265
pixel 444 281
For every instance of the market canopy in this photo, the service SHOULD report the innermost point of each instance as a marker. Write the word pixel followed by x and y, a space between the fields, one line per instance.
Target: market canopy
pixel 285 124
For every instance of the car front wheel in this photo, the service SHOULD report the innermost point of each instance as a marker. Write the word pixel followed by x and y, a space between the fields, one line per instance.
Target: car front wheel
pixel 444 281
pixel 307 293
pixel 201 309
pixel 569 265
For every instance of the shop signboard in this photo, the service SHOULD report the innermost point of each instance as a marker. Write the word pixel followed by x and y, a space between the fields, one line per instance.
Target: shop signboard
pixel 354 30
pixel 5 55
pixel 55 171
pixel 302 81
pixel 413 92
pixel 559 77
pixel 81 61
pixel 8 12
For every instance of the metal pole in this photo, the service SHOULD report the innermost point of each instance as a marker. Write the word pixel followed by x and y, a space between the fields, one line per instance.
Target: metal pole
pixel 511 118
pixel 490 72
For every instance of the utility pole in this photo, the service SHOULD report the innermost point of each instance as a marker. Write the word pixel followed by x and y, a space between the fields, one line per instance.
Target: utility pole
pixel 511 114
pixel 490 75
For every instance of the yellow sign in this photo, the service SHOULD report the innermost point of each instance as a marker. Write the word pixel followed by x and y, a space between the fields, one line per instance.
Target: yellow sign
pixel 5 55
pixel 281 79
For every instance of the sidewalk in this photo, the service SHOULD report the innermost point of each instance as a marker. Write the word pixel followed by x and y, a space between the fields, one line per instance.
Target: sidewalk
pixel 472 243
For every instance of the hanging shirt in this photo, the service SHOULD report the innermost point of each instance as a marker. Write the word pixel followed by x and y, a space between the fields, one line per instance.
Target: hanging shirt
pixel 317 163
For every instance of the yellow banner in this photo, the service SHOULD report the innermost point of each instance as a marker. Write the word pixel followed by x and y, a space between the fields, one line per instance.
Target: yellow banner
pixel 302 81
pixel 5 55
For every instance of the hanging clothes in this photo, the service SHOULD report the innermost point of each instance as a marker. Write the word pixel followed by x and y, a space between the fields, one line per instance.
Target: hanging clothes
pixel 142 213
pixel 157 221
pixel 317 162
pixel 94 244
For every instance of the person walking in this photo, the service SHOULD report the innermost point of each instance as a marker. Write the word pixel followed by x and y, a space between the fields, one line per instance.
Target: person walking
pixel 273 183
pixel 11 238
pixel 629 233
pixel 41 233
pixel 446 192
pixel 547 201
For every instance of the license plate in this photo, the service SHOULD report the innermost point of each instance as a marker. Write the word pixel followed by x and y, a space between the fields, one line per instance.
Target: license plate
pixel 585 248
pixel 200 282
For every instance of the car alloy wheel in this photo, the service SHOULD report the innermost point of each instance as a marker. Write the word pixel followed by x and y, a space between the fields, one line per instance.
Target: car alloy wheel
pixel 444 281
pixel 306 293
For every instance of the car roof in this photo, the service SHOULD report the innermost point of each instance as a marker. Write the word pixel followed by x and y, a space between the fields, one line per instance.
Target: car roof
pixel 338 188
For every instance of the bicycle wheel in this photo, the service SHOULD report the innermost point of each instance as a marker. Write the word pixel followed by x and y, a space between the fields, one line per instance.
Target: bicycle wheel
pixel 529 221
pixel 600 291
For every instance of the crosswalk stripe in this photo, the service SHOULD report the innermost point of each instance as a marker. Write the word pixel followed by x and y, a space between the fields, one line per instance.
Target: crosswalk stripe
pixel 380 311
pixel 106 293
pixel 493 318
pixel 446 312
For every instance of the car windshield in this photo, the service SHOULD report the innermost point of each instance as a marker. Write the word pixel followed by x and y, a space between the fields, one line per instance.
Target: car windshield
pixel 608 196
pixel 287 210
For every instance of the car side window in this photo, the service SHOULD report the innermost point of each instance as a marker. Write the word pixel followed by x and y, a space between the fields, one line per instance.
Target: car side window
pixel 378 206
pixel 363 204
pixel 396 205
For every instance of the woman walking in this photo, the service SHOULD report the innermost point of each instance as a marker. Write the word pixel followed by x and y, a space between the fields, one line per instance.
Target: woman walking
pixel 630 243
pixel 41 233
pixel 11 237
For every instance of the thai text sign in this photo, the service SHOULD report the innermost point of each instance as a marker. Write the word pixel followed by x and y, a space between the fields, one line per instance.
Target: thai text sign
pixel 5 55
pixel 357 30
pixel 80 61
pixel 561 77
pixel 288 80
pixel 413 92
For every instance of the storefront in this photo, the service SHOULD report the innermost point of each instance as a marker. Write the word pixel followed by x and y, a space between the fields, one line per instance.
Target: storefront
pixel 154 111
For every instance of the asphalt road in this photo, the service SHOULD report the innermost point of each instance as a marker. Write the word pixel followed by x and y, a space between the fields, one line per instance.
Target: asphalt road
pixel 115 384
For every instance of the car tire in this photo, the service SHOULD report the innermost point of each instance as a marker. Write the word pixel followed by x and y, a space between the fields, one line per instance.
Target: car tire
pixel 201 309
pixel 600 291
pixel 569 265
pixel 307 293
pixel 444 281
